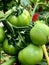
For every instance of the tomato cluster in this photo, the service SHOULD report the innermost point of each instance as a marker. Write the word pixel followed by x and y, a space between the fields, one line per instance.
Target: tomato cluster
pixel 15 44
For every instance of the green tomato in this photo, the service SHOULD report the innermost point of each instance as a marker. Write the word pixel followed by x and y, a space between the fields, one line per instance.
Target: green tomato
pixel 8 48
pixel 13 20
pixel 30 55
pixel 39 33
pixel 24 18
pixel 2 34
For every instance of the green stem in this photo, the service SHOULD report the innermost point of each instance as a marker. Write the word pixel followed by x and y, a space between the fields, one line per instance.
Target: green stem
pixel 9 12
pixel 9 26
pixel 35 7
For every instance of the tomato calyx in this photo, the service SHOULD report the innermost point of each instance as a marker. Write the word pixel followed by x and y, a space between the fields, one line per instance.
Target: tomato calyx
pixel 18 11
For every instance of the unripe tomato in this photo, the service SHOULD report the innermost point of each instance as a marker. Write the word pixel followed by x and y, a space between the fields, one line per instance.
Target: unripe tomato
pixel 30 55
pixel 9 48
pixel 24 18
pixel 13 20
pixel 21 20
pixel 39 33
pixel 2 34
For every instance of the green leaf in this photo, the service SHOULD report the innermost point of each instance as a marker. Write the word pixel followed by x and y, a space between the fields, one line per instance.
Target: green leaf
pixel 43 63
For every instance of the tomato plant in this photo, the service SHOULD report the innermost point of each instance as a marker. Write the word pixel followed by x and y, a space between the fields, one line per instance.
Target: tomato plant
pixel 25 29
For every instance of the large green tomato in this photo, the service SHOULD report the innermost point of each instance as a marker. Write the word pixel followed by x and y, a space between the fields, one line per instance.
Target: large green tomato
pixel 39 33
pixel 30 55
pixel 8 48
pixel 2 34
pixel 22 20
